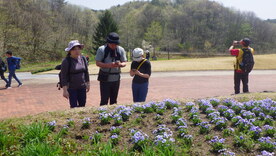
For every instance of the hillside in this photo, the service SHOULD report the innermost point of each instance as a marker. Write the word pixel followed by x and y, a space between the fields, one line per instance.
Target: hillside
pixel 192 26
pixel 39 30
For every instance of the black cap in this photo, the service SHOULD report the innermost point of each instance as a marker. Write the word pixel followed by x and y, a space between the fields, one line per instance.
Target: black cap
pixel 113 38
pixel 246 41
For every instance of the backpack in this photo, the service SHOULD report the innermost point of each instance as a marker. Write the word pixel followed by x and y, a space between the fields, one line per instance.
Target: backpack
pixel 17 62
pixel 3 66
pixel 58 67
pixel 103 76
pixel 106 52
pixel 247 61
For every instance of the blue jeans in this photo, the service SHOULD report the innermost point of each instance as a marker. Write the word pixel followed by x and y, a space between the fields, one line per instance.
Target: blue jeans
pixel 12 75
pixel 77 97
pixel 140 91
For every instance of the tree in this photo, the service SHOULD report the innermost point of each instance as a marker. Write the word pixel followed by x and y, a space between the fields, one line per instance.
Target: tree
pixel 154 34
pixel 106 26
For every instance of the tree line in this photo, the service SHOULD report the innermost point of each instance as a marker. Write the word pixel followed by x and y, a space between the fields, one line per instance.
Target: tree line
pixel 39 30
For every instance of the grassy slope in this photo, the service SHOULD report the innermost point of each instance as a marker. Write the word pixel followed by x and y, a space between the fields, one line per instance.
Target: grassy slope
pixel 264 62
pixel 147 125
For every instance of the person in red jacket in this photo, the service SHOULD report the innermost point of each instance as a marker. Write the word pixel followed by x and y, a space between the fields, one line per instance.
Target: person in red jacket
pixel 239 74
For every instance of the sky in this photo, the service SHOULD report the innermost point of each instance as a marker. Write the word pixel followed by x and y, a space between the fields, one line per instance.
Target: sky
pixel 264 9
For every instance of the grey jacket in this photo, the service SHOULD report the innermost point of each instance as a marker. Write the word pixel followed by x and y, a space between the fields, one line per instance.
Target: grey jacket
pixel 99 57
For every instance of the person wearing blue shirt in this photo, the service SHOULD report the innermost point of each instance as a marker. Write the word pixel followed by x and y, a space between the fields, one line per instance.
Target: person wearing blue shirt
pixel 12 68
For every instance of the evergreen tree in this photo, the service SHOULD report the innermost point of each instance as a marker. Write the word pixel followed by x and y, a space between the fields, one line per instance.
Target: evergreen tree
pixel 106 25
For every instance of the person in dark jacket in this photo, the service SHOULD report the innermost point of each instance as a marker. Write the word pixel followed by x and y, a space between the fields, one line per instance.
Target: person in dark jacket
pixel 12 68
pixel 2 71
pixel 148 55
pixel 74 75
pixel 141 71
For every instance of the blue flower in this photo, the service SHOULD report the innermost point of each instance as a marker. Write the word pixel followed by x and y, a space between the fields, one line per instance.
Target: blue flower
pixel 52 123
pixel 114 136
pixel 268 127
pixel 139 136
pixel 216 139
pixel 256 129
pixel 190 104
pixel 265 140
pixel 228 153
pixel 241 137
pixel 265 153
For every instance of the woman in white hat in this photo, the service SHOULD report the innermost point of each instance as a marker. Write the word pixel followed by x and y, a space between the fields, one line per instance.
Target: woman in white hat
pixel 141 71
pixel 74 75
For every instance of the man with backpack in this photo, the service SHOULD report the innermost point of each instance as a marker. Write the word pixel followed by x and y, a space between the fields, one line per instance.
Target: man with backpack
pixel 13 64
pixel 110 58
pixel 244 63
pixel 3 69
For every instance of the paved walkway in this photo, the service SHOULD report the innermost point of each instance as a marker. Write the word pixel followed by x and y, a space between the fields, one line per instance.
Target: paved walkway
pixel 39 93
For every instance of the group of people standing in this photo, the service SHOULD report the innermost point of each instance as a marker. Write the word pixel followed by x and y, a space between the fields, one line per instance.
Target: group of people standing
pixel 110 58
pixel 13 64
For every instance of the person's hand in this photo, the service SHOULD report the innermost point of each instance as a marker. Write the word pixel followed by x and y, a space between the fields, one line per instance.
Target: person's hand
pixel 66 94
pixel 120 64
pixel 87 87
pixel 137 72
pixel 112 65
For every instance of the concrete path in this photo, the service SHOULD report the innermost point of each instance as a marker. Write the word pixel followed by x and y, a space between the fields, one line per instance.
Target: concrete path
pixel 39 93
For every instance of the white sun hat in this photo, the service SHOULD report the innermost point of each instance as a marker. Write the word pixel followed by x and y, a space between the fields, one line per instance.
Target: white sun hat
pixel 72 44
pixel 137 54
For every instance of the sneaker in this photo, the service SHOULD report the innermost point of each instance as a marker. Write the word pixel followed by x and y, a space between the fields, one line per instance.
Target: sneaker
pixel 8 87
pixel 20 85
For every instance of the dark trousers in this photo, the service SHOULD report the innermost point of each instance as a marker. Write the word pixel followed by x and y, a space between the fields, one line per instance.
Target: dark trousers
pixel 238 77
pixel 3 78
pixel 139 91
pixel 109 90
pixel 12 75
pixel 77 97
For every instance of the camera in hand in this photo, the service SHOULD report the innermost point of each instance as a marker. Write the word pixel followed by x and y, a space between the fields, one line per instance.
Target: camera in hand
pixel 236 42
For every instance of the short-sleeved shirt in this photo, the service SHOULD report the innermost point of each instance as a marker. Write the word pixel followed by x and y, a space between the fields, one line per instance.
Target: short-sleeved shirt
pixel 77 76
pixel 239 54
pixel 114 72
pixel 145 69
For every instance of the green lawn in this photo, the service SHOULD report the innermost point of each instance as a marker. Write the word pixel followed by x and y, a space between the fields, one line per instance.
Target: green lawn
pixel 262 62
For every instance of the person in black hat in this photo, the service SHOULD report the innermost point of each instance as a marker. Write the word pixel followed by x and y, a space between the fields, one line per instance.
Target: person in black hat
pixel 110 58
pixel 244 56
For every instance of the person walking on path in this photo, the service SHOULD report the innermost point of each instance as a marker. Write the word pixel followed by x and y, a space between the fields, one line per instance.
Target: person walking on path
pixel 110 58
pixel 74 75
pixel 148 55
pixel 3 69
pixel 244 64
pixel 13 64
pixel 141 71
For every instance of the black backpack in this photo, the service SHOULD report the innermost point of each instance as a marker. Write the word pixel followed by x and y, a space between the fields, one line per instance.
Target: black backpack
pixel 3 66
pixel 106 52
pixel 247 60
pixel 58 67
